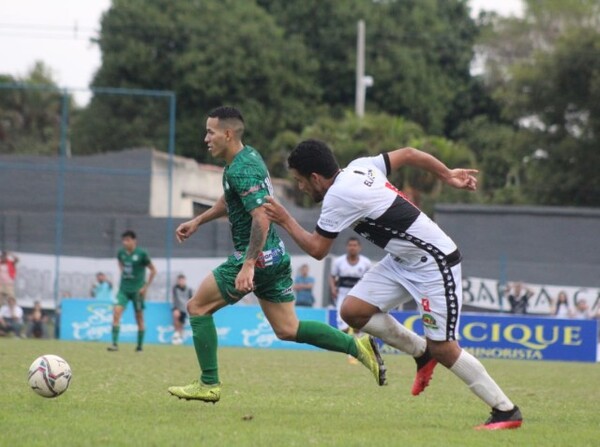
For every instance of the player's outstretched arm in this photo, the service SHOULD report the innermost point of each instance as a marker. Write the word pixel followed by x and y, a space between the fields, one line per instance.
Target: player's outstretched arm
pixel 186 229
pixel 313 243
pixel 457 178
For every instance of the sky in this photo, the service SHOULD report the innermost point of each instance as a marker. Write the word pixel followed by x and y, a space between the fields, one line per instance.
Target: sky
pixel 58 32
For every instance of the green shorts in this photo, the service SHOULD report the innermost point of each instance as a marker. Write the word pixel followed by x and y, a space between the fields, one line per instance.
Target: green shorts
pixel 272 283
pixel 124 297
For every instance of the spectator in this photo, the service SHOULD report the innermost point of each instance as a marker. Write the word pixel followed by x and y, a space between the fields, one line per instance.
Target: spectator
pixel 102 288
pixel 582 310
pixel 181 295
pixel 518 297
pixel 8 272
pixel 303 287
pixel 11 317
pixel 346 271
pixel 36 325
pixel 560 307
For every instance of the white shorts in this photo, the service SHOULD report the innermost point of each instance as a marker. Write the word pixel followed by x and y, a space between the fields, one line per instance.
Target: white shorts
pixel 342 294
pixel 436 288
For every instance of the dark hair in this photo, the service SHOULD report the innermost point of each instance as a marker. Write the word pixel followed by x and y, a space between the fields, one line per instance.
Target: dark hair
pixel 181 276
pixel 226 113
pixel 353 239
pixel 313 156
pixel 128 233
pixel 229 115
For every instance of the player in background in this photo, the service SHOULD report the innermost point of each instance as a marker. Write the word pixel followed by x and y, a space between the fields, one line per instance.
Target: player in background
pixel 259 263
pixel 133 262
pixel 422 261
pixel 346 270
pixel 182 293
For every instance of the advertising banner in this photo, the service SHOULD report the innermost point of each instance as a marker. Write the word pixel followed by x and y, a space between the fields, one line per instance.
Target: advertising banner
pixel 89 320
pixel 510 337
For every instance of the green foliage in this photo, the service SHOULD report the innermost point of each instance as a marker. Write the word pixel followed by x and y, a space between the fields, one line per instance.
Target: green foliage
pixel 283 398
pixel 30 118
pixel 210 53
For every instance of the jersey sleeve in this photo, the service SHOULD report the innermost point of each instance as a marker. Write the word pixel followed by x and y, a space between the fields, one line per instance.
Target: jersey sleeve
pixel 251 186
pixel 381 162
pixel 339 211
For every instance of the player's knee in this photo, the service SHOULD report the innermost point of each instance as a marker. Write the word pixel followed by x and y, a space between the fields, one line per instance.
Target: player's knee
pixel 351 318
pixel 285 333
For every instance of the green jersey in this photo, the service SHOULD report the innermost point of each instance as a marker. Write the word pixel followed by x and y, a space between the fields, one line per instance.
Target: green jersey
pixel 246 182
pixel 134 265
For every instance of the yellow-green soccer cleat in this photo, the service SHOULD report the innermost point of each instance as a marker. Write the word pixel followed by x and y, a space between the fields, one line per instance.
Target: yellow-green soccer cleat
pixel 368 355
pixel 197 391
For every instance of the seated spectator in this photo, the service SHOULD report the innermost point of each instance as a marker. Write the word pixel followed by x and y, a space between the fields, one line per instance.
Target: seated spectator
pixel 11 317
pixel 36 322
pixel 303 286
pixel 518 297
pixel 102 288
pixel 8 272
pixel 560 307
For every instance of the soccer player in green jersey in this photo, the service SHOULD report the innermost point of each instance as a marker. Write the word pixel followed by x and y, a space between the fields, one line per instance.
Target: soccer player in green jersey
pixel 133 262
pixel 259 263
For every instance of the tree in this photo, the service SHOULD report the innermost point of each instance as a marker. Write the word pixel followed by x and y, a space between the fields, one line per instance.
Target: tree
pixel 210 53
pixel 418 52
pixel 30 118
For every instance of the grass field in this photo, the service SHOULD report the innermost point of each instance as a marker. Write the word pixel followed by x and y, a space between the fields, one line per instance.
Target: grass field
pixel 282 398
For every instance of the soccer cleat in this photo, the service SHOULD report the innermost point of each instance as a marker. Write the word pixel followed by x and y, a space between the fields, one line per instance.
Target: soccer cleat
pixel 138 349
pixel 425 367
pixel 197 391
pixel 502 420
pixel 112 348
pixel 368 355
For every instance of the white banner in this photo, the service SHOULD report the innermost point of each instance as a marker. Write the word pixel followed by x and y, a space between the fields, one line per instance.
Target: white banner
pixel 486 294
pixel 36 276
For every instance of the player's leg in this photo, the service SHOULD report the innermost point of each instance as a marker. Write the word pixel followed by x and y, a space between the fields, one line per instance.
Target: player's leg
pixel 274 288
pixel 207 300
pixel 366 309
pixel 441 318
pixel 118 309
pixel 176 314
pixel 139 306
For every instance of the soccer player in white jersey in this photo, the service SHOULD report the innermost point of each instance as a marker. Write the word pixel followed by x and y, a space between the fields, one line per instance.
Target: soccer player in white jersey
pixel 346 270
pixel 422 262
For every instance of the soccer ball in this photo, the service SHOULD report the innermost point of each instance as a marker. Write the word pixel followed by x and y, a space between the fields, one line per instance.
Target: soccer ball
pixel 49 375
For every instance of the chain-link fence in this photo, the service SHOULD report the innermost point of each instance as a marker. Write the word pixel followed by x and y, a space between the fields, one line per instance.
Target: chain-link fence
pixel 73 178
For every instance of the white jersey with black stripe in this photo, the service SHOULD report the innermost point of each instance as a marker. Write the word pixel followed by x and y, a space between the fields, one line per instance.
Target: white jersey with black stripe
pixel 362 198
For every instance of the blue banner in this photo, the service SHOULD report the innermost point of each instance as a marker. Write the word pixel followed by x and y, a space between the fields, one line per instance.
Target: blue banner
pixel 516 337
pixel 90 320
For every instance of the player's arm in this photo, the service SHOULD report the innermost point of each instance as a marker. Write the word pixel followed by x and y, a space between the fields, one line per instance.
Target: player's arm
pixel 313 243
pixel 408 156
pixel 152 270
pixel 244 282
pixel 332 286
pixel 186 229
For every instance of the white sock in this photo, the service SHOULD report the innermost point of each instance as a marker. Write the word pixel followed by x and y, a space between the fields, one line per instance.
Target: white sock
pixel 386 327
pixel 474 374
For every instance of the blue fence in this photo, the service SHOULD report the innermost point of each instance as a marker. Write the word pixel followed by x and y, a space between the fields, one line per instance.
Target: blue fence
pixel 485 336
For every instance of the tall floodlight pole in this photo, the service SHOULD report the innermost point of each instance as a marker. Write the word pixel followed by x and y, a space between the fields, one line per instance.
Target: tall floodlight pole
pixel 362 81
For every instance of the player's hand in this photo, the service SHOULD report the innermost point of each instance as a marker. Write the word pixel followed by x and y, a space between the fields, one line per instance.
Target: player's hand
pixel 185 230
pixel 275 211
pixel 143 291
pixel 244 281
pixel 463 179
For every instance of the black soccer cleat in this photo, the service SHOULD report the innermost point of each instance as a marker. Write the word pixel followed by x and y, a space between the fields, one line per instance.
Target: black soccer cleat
pixel 502 420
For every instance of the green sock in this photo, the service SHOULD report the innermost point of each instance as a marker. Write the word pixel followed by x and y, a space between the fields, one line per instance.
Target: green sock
pixel 141 338
pixel 115 334
pixel 326 337
pixel 205 343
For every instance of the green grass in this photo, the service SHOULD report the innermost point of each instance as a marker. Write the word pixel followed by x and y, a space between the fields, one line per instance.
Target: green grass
pixel 282 398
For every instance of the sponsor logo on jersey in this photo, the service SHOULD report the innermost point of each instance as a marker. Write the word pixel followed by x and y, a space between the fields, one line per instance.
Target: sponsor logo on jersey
pixel 429 321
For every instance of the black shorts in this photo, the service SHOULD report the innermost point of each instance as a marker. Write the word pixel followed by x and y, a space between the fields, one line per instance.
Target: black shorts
pixel 182 315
